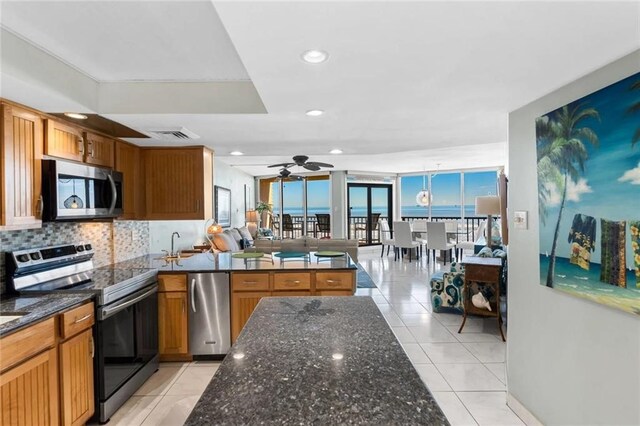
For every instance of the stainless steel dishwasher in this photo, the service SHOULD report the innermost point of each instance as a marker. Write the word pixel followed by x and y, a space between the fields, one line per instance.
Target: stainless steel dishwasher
pixel 209 314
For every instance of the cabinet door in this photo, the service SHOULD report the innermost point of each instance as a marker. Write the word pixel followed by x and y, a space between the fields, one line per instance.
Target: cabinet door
pixel 98 150
pixel 63 141
pixel 29 392
pixel 22 139
pixel 76 376
pixel 242 306
pixel 173 328
pixel 128 162
pixel 174 181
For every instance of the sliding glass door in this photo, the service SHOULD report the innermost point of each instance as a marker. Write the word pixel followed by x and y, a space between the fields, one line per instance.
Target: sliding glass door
pixel 367 203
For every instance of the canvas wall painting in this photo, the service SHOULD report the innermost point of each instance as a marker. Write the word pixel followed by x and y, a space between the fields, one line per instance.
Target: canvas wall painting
pixel 588 155
pixel 222 200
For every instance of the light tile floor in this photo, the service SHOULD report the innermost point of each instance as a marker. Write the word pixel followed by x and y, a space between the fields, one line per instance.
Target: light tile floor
pixel 465 372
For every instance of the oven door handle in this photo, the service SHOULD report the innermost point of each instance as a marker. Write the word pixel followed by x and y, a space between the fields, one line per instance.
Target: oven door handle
pixel 114 193
pixel 112 310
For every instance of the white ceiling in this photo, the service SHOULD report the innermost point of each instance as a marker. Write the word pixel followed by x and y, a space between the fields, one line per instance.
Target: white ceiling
pixel 133 40
pixel 407 84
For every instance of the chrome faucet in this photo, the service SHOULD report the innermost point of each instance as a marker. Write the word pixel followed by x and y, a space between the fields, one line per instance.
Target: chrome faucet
pixel 173 253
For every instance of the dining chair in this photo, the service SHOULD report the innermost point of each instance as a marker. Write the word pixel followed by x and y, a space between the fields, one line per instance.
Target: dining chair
pixel 386 238
pixel 470 245
pixel 404 240
pixel 374 218
pixel 419 231
pixel 323 224
pixel 437 240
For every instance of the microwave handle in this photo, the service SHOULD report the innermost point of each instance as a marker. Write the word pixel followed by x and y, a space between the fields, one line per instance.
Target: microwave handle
pixel 114 192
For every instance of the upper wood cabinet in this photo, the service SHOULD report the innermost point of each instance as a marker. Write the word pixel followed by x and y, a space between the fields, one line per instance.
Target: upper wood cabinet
pixel 71 143
pixel 21 147
pixel 64 141
pixel 178 183
pixel 128 161
pixel 98 150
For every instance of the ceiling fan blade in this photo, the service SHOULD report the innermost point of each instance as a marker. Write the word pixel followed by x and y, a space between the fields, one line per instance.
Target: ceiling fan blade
pixel 285 165
pixel 316 163
pixel 311 166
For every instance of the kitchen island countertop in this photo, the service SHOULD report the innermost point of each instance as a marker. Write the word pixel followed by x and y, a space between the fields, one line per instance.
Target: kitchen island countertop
pixel 316 360
pixel 225 262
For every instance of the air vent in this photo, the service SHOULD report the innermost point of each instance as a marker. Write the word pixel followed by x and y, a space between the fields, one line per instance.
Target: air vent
pixel 172 134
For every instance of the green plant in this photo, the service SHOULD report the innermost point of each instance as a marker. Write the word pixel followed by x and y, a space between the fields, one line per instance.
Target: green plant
pixel 263 207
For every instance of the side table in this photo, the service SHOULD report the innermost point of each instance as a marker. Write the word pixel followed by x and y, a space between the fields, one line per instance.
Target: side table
pixel 485 271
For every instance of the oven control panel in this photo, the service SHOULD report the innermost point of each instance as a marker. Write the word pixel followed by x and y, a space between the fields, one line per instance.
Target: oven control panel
pixel 28 258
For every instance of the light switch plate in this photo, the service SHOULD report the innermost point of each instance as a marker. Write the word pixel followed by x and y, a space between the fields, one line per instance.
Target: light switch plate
pixel 520 219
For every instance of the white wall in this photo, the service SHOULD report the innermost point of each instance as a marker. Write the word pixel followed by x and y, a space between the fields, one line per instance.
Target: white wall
pixel 569 361
pixel 192 231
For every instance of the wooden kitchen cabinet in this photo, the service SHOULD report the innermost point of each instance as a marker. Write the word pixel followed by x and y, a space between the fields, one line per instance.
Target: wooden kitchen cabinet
pixel 29 392
pixel 128 161
pixel 63 141
pixel 178 183
pixel 173 318
pixel 44 379
pixel 242 305
pixel 76 379
pixel 22 139
pixel 99 150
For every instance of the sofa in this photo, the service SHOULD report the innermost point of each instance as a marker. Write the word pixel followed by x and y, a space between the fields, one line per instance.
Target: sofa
pixel 232 239
pixel 446 286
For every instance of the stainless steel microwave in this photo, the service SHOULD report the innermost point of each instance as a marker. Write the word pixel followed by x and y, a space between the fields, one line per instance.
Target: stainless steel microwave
pixel 73 191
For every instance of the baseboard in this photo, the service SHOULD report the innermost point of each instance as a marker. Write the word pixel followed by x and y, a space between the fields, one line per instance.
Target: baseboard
pixel 521 411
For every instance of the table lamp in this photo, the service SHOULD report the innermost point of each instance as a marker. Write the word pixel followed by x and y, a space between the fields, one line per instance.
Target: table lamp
pixel 211 228
pixel 252 218
pixel 489 205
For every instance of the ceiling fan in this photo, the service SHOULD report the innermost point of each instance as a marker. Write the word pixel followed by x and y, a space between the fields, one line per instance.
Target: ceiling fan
pixel 301 161
pixel 285 174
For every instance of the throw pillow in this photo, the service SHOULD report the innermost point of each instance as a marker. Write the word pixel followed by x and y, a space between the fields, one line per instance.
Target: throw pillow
pixel 244 233
pixel 235 234
pixel 485 252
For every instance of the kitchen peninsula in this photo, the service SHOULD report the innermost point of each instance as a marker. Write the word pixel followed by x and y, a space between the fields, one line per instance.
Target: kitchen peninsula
pixel 316 360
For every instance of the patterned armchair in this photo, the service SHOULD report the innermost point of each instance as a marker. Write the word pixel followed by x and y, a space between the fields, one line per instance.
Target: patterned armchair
pixel 446 289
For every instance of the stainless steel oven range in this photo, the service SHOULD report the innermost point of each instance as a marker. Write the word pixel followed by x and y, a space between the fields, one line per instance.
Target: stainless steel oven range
pixel 126 332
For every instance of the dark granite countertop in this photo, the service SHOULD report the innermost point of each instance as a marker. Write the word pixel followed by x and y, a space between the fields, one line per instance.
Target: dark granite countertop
pixel 36 308
pixel 316 360
pixel 224 262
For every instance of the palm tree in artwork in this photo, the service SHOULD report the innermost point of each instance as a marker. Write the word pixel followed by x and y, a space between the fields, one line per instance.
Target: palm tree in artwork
pixel 634 109
pixel 563 154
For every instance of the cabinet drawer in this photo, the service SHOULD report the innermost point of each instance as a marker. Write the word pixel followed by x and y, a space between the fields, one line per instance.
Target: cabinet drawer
pixel 249 282
pixel 177 282
pixel 22 344
pixel 334 281
pixel 292 281
pixel 74 321
pixel 335 293
pixel 481 273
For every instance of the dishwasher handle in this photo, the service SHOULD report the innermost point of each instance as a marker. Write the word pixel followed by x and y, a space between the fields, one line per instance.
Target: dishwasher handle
pixel 193 294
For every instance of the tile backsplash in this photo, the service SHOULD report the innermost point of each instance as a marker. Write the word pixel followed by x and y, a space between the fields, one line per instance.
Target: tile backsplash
pixel 113 241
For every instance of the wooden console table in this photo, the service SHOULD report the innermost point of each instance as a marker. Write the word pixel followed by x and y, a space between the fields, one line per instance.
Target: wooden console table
pixel 486 271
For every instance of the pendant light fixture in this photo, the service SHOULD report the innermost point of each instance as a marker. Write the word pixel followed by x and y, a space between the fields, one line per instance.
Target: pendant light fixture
pixel 73 202
pixel 423 198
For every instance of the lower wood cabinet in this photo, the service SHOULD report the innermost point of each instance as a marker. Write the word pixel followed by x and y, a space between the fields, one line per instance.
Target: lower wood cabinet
pixel 242 305
pixel 45 379
pixel 173 318
pixel 76 366
pixel 29 392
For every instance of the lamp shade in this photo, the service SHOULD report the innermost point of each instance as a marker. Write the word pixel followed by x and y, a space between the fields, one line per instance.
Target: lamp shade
pixel 251 216
pixel 489 205
pixel 214 228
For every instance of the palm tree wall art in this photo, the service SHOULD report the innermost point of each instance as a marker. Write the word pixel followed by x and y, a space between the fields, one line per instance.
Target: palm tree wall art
pixel 589 196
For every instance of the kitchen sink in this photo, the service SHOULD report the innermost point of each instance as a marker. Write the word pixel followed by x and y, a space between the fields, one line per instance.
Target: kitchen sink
pixel 178 257
pixel 4 318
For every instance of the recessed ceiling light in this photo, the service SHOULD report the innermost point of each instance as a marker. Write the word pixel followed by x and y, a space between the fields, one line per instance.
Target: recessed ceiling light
pixel 75 115
pixel 236 153
pixel 315 112
pixel 315 56
pixel 335 151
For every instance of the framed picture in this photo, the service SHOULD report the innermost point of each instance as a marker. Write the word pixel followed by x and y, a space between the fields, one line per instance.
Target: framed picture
pixel 223 206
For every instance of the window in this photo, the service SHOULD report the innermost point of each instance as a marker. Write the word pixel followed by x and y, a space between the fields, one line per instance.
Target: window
pixel 477 184
pixel 409 188
pixel 445 195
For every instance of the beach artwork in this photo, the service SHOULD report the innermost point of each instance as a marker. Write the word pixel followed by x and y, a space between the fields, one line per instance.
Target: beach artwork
pixel 588 158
